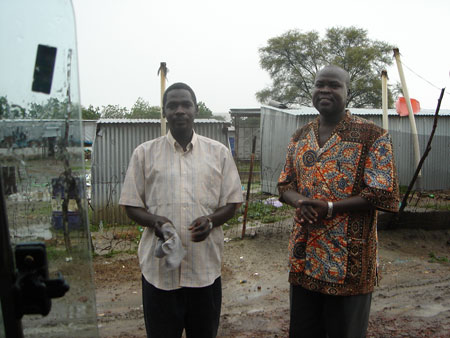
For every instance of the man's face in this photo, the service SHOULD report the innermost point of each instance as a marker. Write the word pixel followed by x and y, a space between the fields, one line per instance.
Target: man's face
pixel 329 95
pixel 180 111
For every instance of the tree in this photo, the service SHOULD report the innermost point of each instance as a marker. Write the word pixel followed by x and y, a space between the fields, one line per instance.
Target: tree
pixel 114 112
pixel 91 113
pixel 52 109
pixel 294 58
pixel 203 111
pixel 142 110
pixel 397 91
pixel 4 108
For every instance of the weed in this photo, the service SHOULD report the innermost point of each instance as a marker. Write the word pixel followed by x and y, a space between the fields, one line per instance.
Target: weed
pixel 54 253
pixel 245 166
pixel 131 251
pixel 111 253
pixel 259 211
pixel 437 259
pixel 94 227
pixel 402 189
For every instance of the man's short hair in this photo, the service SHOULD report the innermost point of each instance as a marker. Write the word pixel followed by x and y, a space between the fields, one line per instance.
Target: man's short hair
pixel 342 70
pixel 179 85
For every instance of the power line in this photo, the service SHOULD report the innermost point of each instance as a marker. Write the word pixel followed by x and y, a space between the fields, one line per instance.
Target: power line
pixel 421 77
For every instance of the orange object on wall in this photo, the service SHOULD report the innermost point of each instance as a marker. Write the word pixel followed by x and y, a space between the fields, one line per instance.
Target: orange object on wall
pixel 402 109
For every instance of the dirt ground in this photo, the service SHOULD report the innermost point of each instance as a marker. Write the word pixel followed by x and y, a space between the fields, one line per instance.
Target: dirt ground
pixel 413 299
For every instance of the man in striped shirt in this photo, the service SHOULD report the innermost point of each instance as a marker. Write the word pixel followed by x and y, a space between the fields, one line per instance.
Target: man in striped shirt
pixel 191 182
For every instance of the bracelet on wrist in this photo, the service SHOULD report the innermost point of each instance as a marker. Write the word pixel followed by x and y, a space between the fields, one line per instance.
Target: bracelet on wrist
pixel 330 210
pixel 210 223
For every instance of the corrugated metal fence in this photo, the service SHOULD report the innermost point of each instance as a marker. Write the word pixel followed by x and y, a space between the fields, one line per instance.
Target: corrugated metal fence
pixel 114 143
pixel 278 125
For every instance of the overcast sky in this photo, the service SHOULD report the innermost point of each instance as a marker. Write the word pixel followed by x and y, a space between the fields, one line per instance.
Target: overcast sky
pixel 213 46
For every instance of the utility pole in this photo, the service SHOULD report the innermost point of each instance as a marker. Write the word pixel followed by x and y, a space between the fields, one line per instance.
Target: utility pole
pixel 162 71
pixel 384 99
pixel 412 121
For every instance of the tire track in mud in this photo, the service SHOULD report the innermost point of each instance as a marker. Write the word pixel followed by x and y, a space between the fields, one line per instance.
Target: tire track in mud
pixel 416 309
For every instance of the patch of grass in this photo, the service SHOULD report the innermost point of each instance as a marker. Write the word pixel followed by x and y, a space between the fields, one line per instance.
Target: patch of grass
pixel 112 253
pixel 40 208
pixel 259 211
pixel 131 251
pixel 437 259
pixel 245 166
pixel 402 189
pixel 54 253
pixel 94 227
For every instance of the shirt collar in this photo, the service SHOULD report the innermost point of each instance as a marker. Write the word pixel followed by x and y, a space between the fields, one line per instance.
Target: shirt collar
pixel 342 125
pixel 176 146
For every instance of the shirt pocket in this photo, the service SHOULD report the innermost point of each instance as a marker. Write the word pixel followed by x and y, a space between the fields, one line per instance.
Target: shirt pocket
pixel 209 186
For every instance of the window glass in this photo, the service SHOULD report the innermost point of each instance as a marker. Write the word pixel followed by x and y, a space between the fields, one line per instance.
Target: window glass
pixel 42 156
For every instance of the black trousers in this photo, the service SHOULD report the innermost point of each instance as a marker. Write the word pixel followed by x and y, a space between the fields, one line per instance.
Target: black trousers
pixel 167 313
pixel 317 315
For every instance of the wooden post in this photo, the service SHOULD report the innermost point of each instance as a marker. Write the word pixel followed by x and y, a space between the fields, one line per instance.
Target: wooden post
pixel 162 71
pixel 250 174
pixel 412 121
pixel 384 99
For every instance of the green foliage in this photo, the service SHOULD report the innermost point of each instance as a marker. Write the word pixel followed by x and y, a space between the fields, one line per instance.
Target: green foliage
pixel 245 166
pixel 4 107
pixel 92 227
pixel 397 91
pixel 55 253
pixel 111 253
pixel 402 189
pixel 437 259
pixel 140 110
pixel 52 109
pixel 265 213
pixel 203 111
pixel 55 109
pixel 143 110
pixel 114 112
pixel 294 58
pixel 91 113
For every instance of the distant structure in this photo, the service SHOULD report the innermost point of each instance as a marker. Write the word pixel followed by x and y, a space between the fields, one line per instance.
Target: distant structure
pixel 246 123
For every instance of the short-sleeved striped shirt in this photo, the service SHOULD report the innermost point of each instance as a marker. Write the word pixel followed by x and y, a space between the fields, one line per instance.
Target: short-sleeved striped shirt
pixel 182 186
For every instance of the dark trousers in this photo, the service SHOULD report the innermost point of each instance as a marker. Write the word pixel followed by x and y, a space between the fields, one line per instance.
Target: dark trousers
pixel 317 315
pixel 167 313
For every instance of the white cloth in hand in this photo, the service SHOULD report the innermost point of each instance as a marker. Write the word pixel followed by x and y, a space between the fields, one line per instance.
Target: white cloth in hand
pixel 171 248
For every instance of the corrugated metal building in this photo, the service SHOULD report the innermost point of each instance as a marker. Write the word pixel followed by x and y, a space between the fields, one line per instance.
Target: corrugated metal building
pixel 114 143
pixel 277 126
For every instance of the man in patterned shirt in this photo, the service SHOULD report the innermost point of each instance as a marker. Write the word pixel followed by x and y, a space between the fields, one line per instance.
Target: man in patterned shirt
pixel 339 171
pixel 191 182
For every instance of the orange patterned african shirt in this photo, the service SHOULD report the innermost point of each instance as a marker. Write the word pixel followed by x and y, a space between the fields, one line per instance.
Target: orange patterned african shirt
pixel 339 255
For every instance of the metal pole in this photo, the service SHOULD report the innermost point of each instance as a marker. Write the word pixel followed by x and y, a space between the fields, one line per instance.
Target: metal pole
pixel 252 158
pixel 412 121
pixel 384 99
pixel 163 72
